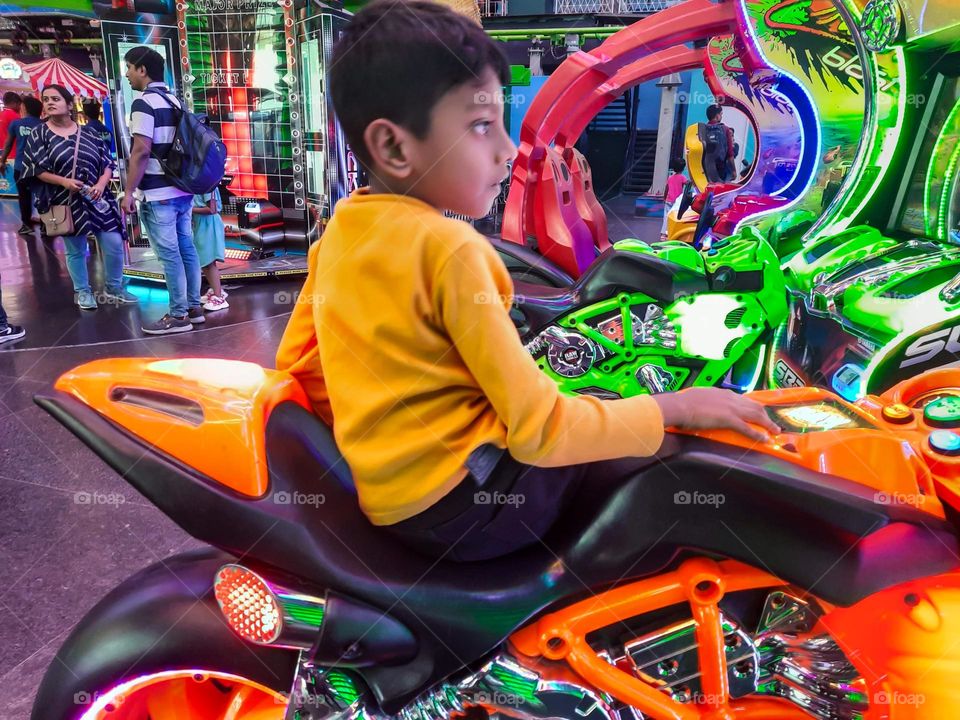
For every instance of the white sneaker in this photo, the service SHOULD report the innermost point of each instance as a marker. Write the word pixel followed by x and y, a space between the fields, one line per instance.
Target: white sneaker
pixel 209 294
pixel 215 302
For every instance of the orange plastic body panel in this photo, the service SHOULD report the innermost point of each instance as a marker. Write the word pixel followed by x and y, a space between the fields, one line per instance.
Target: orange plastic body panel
pixel 907 642
pixel 894 457
pixel 561 636
pixel 210 414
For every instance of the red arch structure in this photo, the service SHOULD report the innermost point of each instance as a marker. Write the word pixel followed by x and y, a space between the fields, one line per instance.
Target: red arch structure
pixel 551 195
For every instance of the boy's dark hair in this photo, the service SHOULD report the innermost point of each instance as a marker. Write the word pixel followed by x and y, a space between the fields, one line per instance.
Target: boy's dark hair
pixel 678 165
pixel 397 58
pixel 713 112
pixel 147 58
pixel 34 107
pixel 91 108
pixel 11 99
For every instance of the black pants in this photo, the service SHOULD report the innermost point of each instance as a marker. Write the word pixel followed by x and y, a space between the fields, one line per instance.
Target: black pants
pixel 513 509
pixel 24 197
pixel 3 314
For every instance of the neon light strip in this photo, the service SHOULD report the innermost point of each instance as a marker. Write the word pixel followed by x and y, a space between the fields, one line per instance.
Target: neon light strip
pixel 772 358
pixel 800 196
pixel 946 198
pixel 757 371
pixel 928 200
pixel 117 694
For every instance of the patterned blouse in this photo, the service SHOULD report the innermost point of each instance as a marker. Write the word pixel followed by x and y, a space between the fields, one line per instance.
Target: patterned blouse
pixel 48 152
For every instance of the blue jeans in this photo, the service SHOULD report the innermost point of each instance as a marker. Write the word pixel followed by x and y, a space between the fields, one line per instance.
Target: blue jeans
pixel 111 243
pixel 170 227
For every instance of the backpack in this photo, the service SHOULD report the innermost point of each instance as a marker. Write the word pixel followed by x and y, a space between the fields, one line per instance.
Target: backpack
pixel 197 157
pixel 715 140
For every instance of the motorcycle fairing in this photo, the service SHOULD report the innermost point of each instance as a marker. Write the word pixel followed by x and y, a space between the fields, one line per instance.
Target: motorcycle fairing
pixel 210 414
pixel 810 529
pixel 163 618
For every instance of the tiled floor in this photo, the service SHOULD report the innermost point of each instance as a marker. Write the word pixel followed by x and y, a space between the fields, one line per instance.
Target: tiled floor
pixel 58 555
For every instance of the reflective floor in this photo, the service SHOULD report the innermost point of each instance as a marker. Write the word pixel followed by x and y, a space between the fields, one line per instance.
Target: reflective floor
pixel 59 551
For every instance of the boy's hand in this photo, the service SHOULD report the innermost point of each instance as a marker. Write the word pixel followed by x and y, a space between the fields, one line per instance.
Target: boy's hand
pixel 708 408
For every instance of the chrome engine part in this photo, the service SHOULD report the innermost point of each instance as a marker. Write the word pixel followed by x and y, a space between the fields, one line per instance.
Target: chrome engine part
pixel 669 656
pixel 518 689
pixel 812 673
pixel 779 660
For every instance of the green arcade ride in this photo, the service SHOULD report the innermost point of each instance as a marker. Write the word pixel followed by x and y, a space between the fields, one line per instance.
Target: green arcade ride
pixel 870 307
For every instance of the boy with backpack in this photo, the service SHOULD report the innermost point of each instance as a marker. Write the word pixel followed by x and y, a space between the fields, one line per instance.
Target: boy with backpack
pixel 167 211
pixel 719 156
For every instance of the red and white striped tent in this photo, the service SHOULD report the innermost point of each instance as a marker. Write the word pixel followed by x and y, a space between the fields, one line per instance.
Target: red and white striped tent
pixel 56 72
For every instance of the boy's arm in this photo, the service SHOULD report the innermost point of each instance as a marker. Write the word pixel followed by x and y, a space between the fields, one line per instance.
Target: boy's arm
pixel 544 427
pixel 299 353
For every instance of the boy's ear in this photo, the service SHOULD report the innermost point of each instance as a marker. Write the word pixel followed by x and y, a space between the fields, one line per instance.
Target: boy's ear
pixel 390 148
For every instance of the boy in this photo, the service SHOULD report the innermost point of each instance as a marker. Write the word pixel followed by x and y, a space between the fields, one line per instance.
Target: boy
pixel 19 132
pixel 675 184
pixel 458 443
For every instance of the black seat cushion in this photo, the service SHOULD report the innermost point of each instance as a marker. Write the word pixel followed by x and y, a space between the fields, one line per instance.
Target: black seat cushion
pixel 529 266
pixel 536 306
pixel 617 271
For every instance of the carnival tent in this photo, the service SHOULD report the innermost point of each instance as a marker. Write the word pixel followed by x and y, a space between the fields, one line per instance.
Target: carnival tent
pixel 56 72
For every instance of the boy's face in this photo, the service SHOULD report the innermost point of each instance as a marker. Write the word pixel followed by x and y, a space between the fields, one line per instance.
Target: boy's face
pixel 462 161
pixel 137 77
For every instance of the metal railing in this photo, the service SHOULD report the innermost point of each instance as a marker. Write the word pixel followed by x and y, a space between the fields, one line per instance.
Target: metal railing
pixel 492 8
pixel 612 7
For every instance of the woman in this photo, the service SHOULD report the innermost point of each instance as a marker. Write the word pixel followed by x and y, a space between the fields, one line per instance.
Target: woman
pixel 50 159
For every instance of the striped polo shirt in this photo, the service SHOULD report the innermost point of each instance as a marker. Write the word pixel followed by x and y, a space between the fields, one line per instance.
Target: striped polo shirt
pixel 152 116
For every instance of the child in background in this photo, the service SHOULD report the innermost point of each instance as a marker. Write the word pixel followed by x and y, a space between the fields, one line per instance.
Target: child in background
pixel 675 184
pixel 208 236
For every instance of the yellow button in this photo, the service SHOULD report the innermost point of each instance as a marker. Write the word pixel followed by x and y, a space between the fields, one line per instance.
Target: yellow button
pixel 897 413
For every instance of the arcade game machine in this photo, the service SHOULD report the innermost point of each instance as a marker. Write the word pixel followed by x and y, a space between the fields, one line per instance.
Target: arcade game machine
pixel 239 63
pixel 879 302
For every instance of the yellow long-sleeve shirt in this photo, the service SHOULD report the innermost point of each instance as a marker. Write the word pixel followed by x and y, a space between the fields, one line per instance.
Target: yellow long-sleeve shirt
pixel 402 337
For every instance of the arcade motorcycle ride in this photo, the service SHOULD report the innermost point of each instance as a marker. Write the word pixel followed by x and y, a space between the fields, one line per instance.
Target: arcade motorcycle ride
pixel 811 576
pixel 652 318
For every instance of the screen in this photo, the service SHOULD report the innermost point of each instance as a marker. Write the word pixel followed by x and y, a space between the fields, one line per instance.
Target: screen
pixel 926 188
pixel 815 417
pixel 239 69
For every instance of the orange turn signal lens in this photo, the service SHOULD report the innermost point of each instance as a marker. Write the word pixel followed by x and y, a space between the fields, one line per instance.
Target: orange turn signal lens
pixel 248 604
